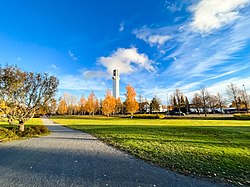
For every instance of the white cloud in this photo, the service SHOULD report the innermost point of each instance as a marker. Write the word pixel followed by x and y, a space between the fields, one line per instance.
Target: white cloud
pixel 158 39
pixel 127 61
pixel 151 36
pixel 72 55
pixel 121 28
pixel 210 15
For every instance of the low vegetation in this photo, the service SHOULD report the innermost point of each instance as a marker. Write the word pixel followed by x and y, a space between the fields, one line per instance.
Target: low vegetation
pixel 146 116
pixel 212 148
pixel 242 116
pixel 34 127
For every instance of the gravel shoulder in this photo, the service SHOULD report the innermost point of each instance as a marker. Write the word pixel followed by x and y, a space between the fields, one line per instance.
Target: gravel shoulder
pixel 72 158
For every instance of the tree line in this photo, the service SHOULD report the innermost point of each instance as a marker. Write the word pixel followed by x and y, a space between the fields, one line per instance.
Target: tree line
pixel 70 105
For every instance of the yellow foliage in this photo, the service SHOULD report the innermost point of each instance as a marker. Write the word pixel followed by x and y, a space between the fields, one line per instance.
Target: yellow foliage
pixel 108 104
pixel 131 104
pixel 62 107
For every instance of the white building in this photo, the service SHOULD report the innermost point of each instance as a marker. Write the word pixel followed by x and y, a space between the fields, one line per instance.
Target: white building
pixel 116 78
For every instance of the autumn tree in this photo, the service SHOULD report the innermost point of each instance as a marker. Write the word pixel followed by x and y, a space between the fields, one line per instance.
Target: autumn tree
pixel 108 104
pixel 130 102
pixel 62 107
pixel 24 92
pixel 92 104
pixel 119 106
pixel 82 105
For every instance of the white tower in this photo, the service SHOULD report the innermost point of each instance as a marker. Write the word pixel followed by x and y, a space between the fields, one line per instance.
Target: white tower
pixel 116 83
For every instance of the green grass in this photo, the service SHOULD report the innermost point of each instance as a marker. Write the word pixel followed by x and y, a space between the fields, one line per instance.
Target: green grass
pixel 212 148
pixel 33 128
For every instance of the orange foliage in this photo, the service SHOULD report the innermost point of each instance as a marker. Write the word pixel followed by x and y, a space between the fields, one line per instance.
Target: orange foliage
pixel 91 105
pixel 131 104
pixel 62 107
pixel 108 104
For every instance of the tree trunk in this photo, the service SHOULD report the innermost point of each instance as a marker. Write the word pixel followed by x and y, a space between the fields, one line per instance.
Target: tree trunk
pixel 21 126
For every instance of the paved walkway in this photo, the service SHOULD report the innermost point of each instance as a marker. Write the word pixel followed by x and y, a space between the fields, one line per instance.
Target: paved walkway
pixel 71 158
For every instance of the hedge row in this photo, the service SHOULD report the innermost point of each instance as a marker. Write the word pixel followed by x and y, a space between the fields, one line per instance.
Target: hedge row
pixel 245 116
pixel 146 116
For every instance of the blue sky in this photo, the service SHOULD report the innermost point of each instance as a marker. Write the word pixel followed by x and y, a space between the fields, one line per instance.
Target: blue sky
pixel 158 46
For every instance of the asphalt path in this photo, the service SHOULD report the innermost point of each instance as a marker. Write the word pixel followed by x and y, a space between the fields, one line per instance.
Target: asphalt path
pixel 68 157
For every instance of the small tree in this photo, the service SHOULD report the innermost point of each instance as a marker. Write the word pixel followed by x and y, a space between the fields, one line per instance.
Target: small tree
pixel 108 104
pixel 130 102
pixel 25 92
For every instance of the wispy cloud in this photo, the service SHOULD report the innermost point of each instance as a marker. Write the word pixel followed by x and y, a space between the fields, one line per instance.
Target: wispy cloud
pixel 200 52
pixel 72 55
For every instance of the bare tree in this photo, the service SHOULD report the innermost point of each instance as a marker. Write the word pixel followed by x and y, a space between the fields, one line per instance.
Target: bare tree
pixel 221 102
pixel 204 94
pixel 233 93
pixel 178 95
pixel 197 102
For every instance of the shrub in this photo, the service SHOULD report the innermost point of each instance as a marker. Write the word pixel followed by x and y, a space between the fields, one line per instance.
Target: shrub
pixel 245 116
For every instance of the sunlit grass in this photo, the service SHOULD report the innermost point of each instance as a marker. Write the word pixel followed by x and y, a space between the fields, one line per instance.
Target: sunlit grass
pixel 214 148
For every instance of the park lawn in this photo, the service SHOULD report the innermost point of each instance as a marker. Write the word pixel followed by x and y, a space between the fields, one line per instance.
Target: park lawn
pixel 213 148
pixel 33 128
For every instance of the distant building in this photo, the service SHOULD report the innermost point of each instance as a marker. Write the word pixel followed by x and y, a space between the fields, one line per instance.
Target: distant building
pixel 116 78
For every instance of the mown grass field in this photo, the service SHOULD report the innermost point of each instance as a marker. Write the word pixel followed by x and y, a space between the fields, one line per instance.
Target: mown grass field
pixel 34 127
pixel 213 148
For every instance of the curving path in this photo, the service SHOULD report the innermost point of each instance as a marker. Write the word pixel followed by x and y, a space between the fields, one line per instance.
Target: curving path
pixel 72 158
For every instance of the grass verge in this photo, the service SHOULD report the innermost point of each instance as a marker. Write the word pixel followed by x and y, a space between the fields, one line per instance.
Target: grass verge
pixel 33 128
pixel 213 148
